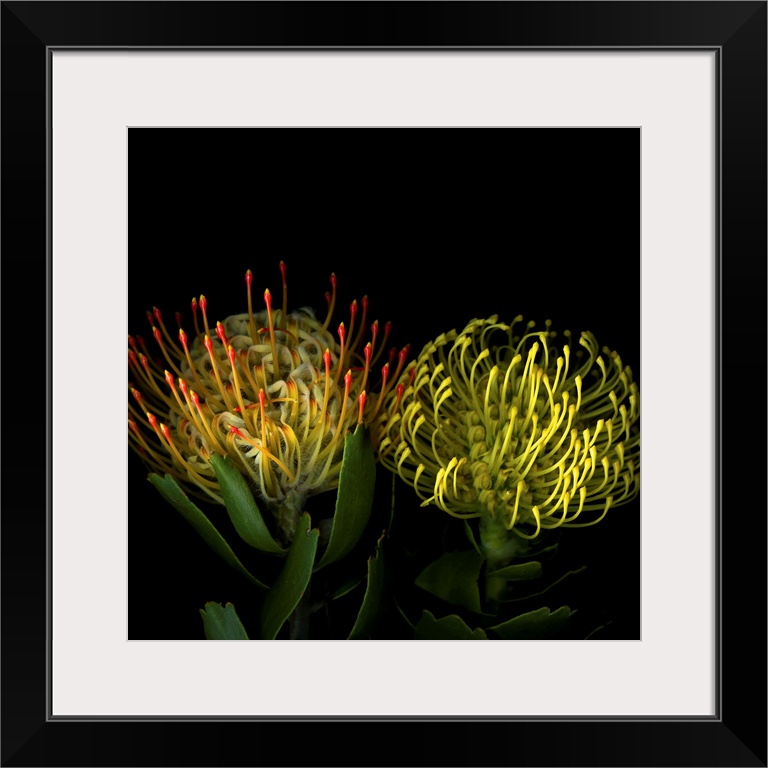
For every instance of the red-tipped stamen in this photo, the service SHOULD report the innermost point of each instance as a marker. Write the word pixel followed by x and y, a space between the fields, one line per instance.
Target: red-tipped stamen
pixel 185 391
pixel 361 407
pixel 232 355
pixel 352 315
pixel 262 411
pixel 251 321
pixel 347 387
pixel 135 411
pixel 159 317
pixel 396 405
pixel 374 336
pixel 138 398
pixel 401 358
pixel 330 449
pixel 203 309
pixel 143 347
pixel 400 391
pixel 159 339
pixel 161 461
pixel 285 294
pixel 266 424
pixel 152 419
pixel 367 354
pixel 204 419
pixel 184 339
pixel 387 329
pixel 147 376
pixel 253 386
pixel 215 367
pixel 221 333
pixel 194 318
pixel 272 339
pixel 342 352
pixel 384 376
pixel 172 385
pixel 133 363
pixel 326 391
pixel 338 434
pixel 361 331
pixel 137 436
pixel 184 463
pixel 380 399
pixel 331 302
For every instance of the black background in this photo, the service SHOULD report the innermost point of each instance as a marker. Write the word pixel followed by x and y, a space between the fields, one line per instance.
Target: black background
pixel 736 736
pixel 436 226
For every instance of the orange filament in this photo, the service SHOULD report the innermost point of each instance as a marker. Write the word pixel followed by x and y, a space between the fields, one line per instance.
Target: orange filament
pixel 251 322
pixel 272 339
pixel 331 303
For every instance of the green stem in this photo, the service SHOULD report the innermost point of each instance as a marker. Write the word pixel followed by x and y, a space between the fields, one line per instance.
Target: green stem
pixel 500 548
pixel 288 514
pixel 298 621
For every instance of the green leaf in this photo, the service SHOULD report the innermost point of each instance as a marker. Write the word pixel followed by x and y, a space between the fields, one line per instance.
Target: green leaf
pixel 536 625
pixel 550 549
pixel 519 572
pixel 453 578
pixel 546 589
pixel 403 615
pixel 347 586
pixel 292 581
pixel 448 628
pixel 374 591
pixel 222 623
pixel 472 539
pixel 241 506
pixel 597 630
pixel 354 497
pixel 169 489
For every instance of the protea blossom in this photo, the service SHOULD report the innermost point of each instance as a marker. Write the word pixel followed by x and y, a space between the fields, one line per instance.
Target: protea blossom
pixel 511 429
pixel 274 390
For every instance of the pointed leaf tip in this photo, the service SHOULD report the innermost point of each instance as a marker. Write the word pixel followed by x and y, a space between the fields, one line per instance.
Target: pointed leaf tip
pixel 242 508
pixel 450 627
pixel 454 578
pixel 354 498
pixel 374 592
pixel 540 624
pixel 170 490
pixel 222 622
pixel 293 580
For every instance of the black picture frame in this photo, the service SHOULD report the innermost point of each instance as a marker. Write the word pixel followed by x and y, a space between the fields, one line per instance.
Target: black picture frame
pixel 736 736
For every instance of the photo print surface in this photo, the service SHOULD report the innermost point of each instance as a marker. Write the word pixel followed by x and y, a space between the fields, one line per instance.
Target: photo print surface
pixel 486 485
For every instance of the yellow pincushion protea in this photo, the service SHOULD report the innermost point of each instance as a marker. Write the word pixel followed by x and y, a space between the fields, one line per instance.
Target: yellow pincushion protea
pixel 273 390
pixel 507 428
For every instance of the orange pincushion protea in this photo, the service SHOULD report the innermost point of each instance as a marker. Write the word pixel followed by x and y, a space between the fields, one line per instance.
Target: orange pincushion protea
pixel 274 390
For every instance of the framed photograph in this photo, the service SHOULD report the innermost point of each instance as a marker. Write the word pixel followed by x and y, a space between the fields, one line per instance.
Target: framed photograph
pixel 406 227
pixel 597 169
